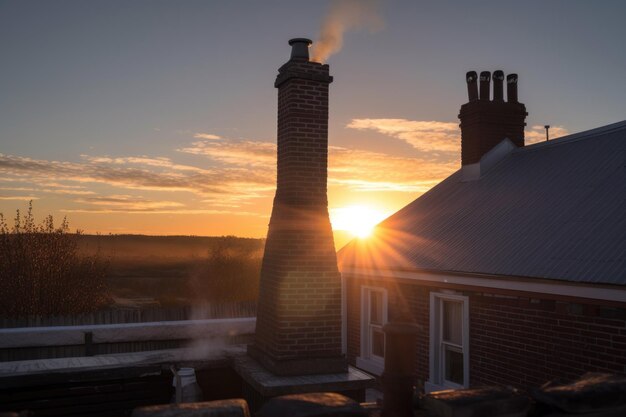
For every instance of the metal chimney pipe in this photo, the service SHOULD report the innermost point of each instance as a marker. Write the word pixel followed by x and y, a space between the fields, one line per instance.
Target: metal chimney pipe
pixel 472 85
pixel 485 78
pixel 511 88
pixel 397 377
pixel 498 80
pixel 300 48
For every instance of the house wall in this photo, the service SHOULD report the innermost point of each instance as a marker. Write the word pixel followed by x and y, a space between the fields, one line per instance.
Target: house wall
pixel 516 339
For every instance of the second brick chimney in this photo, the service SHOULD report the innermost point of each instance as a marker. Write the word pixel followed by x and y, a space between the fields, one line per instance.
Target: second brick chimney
pixel 485 122
pixel 298 328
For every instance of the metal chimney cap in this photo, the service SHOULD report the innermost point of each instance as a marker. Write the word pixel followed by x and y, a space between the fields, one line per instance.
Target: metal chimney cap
pixel 498 75
pixel 300 40
pixel 300 48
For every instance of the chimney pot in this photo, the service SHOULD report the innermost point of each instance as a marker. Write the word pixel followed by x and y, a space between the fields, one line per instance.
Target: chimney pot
pixel 511 88
pixel 300 48
pixel 498 79
pixel 472 85
pixel 485 78
pixel 485 123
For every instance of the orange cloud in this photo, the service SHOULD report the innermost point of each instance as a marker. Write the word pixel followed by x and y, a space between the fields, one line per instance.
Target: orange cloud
pixel 374 171
pixel 137 173
pixel 355 169
pixel 19 197
pixel 129 203
pixel 237 173
pixel 427 136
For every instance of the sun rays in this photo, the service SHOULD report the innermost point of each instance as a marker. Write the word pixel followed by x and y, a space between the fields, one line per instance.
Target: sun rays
pixel 357 220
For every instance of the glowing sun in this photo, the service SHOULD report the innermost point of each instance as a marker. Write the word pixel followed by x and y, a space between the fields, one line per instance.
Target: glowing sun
pixel 357 220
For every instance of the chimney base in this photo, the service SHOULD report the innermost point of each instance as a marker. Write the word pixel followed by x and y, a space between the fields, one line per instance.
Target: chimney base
pixel 299 366
pixel 259 385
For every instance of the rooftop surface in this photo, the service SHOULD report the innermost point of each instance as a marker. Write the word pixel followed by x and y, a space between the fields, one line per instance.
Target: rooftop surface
pixel 554 210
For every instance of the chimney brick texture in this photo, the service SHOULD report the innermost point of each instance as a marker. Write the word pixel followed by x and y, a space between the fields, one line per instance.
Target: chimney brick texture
pixel 298 328
pixel 485 123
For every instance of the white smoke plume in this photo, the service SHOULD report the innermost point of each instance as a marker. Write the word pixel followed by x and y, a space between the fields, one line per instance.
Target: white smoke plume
pixel 345 15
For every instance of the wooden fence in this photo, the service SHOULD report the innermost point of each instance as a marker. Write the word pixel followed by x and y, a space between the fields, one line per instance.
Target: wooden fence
pixel 37 337
pixel 137 315
pixel 88 340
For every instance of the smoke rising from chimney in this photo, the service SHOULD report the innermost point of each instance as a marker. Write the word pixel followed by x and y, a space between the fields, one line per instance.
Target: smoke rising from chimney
pixel 345 15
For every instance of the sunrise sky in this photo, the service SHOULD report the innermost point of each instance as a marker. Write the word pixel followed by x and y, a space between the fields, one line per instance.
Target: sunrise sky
pixel 159 117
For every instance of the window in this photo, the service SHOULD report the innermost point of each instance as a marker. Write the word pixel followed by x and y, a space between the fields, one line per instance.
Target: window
pixel 449 342
pixel 373 317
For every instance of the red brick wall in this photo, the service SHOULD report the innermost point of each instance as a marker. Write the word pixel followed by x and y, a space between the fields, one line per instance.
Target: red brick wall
pixel 401 298
pixel 486 123
pixel 526 341
pixel 514 340
pixel 299 311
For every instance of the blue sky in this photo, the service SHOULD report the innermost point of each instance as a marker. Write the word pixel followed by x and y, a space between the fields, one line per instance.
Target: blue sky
pixel 110 88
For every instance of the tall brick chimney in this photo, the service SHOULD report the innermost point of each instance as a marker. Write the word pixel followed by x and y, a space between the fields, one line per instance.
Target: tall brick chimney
pixel 298 328
pixel 484 122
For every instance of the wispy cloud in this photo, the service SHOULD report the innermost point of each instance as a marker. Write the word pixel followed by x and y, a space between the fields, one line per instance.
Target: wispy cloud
pixel 61 186
pixel 67 192
pixel 17 189
pixel 209 136
pixel 19 197
pixel 428 136
pixel 235 152
pixel 136 173
pixel 235 174
pixel 438 137
pixel 158 162
pixel 129 203
pixel 358 170
pixel 374 171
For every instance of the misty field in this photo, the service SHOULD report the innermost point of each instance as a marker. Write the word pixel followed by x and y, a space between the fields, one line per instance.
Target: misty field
pixel 178 270
pixel 46 270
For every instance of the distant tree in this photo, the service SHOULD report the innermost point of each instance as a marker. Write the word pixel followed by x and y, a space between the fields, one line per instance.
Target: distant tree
pixel 231 272
pixel 42 271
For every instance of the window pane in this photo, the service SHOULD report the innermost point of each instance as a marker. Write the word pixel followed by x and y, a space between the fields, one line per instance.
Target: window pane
pixel 376 307
pixel 453 365
pixel 378 343
pixel 452 322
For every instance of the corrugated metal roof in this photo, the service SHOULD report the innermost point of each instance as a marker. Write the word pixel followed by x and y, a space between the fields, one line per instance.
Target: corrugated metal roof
pixel 553 210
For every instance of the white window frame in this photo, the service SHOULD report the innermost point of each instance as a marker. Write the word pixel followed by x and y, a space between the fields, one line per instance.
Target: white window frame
pixel 368 361
pixel 436 380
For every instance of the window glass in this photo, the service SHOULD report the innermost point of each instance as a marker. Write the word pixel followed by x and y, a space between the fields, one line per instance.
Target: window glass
pixel 378 343
pixel 449 341
pixel 376 307
pixel 453 365
pixel 452 322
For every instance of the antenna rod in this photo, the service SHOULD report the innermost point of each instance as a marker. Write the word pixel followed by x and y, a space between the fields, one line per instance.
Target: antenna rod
pixel 547 132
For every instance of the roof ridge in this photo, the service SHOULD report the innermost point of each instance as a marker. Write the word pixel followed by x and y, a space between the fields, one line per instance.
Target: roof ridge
pixel 574 137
